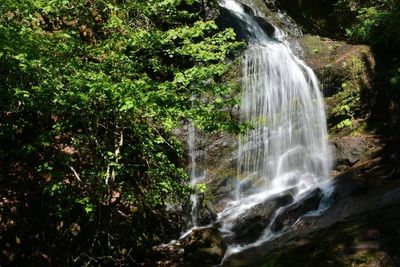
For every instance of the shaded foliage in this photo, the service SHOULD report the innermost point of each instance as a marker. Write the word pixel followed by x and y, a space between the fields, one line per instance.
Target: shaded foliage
pixel 90 92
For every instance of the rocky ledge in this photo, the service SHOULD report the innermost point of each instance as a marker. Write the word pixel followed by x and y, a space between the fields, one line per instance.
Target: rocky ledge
pixel 361 227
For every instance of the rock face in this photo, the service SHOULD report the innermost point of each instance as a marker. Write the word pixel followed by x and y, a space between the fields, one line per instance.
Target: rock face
pixel 359 229
pixel 250 224
pixel 349 149
pixel 227 20
pixel 267 13
pixel 216 168
pixel 346 73
pixel 206 213
pixel 204 247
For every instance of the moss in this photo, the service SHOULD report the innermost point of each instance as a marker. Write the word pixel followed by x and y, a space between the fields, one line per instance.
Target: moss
pixel 346 105
pixel 346 73
pixel 359 127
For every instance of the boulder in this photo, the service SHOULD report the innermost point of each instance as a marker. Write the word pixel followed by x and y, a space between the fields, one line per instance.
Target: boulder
pixel 204 247
pixel 350 149
pixel 291 214
pixel 252 223
pixel 206 214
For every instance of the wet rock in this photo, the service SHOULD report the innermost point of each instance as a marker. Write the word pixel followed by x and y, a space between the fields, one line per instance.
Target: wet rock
pixel 360 224
pixel 274 15
pixel 266 16
pixel 390 197
pixel 206 214
pixel 220 189
pixel 291 214
pixel 265 25
pixel 250 225
pixel 216 156
pixel 204 247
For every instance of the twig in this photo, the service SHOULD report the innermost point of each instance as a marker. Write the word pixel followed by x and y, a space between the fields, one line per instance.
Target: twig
pixel 75 173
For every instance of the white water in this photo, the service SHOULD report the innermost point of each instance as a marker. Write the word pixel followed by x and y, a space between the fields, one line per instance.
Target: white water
pixel 287 148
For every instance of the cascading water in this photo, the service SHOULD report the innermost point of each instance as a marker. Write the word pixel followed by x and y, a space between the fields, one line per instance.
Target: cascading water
pixel 281 99
pixel 287 147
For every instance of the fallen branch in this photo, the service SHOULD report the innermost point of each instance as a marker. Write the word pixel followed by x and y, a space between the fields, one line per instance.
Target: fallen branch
pixel 76 174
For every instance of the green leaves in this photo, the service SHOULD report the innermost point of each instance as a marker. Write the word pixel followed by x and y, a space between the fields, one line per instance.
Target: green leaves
pixel 376 23
pixel 134 80
pixel 91 92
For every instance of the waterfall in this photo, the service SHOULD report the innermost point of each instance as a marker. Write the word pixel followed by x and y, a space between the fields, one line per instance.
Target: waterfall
pixel 286 148
pixel 282 100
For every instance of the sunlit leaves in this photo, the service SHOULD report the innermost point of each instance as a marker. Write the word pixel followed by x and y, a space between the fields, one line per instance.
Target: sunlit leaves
pixel 377 24
pixel 92 90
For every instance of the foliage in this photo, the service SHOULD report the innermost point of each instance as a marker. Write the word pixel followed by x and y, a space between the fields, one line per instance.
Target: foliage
pixel 376 22
pixel 376 26
pixel 90 92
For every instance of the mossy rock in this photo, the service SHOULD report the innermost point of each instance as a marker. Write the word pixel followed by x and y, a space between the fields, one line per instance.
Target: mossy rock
pixel 346 73
pixel 271 13
pixel 204 247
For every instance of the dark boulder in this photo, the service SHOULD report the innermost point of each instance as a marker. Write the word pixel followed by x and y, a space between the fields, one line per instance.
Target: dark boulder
pixel 228 19
pixel 267 27
pixel 206 214
pixel 250 224
pixel 349 150
pixel 204 247
pixel 291 214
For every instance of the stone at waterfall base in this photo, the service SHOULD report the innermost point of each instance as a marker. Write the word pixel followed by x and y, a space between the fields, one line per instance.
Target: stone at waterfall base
pixel 204 247
pixel 310 202
pixel 249 225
